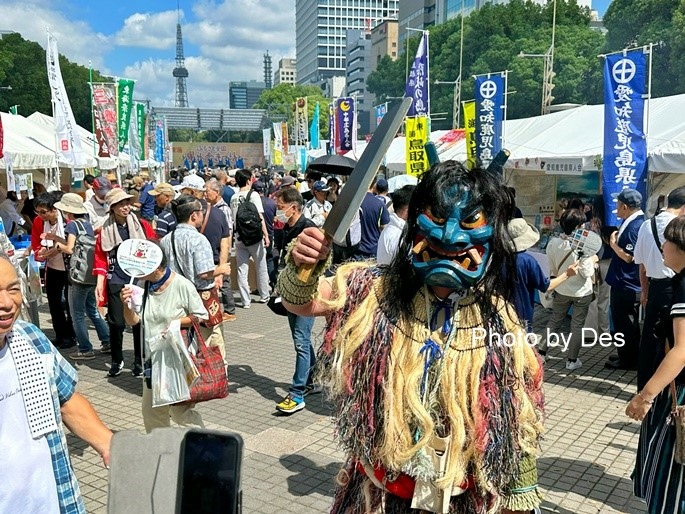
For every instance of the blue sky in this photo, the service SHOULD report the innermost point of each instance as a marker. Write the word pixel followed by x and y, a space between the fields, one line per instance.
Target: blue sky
pixel 224 40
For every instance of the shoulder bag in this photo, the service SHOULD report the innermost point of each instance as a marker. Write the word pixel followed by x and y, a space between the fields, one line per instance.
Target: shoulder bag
pixel 213 381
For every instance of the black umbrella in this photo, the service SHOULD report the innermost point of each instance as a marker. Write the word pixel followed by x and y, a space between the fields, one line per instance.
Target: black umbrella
pixel 333 164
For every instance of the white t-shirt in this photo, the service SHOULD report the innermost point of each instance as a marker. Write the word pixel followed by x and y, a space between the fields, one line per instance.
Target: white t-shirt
pixel 179 299
pixel 389 240
pixel 254 198
pixel 646 251
pixel 28 482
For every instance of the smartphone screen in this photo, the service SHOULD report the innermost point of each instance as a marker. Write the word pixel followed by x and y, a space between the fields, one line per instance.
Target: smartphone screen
pixel 210 473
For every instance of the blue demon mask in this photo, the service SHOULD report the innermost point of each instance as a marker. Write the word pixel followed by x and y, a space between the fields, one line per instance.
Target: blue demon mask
pixel 452 245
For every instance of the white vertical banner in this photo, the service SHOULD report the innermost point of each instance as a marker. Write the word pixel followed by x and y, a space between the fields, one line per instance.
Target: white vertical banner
pixel 134 142
pixel 68 144
pixel 266 142
pixel 9 169
pixel 278 137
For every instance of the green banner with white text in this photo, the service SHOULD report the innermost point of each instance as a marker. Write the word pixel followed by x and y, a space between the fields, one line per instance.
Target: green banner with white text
pixel 124 106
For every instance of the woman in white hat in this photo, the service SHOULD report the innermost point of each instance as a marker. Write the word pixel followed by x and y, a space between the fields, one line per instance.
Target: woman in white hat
pixel 80 243
pixel 529 274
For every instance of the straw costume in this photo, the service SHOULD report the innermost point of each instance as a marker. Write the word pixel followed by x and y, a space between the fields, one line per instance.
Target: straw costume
pixel 435 414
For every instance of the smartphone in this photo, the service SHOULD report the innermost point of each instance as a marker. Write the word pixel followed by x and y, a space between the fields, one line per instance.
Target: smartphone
pixel 209 473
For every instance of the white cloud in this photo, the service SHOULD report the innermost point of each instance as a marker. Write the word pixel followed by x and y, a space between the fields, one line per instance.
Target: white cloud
pixel 224 41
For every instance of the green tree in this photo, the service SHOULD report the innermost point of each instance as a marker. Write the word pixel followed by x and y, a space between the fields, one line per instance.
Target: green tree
pixel 279 103
pixel 22 66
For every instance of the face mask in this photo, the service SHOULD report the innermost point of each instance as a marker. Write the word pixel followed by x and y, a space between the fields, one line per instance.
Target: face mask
pixel 281 216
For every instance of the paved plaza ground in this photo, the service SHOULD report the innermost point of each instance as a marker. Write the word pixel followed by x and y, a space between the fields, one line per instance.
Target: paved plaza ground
pixel 290 462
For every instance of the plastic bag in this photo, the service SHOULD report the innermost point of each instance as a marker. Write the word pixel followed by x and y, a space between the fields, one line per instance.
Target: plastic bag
pixel 175 337
pixel 168 379
pixel 35 292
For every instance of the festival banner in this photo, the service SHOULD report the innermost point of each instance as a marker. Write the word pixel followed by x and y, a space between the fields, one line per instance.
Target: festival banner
pixel 278 137
pixel 381 110
pixel 331 129
pixel 124 106
pixel 470 128
pixel 284 136
pixel 314 129
pixel 266 137
pixel 418 80
pixel 301 122
pixel 489 95
pixel 159 140
pixel 68 142
pixel 2 138
pixel 278 158
pixel 105 116
pixel 416 129
pixel 134 142
pixel 142 122
pixel 625 145
pixel 344 125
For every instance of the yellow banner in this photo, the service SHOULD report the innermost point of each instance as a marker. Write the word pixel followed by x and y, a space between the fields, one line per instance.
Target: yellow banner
pixel 416 129
pixel 277 158
pixel 470 130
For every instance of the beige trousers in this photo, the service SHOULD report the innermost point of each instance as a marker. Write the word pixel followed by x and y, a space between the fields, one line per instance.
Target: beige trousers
pixel 183 414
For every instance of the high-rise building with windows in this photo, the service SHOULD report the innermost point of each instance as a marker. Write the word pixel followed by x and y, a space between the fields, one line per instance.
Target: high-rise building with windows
pixel 286 72
pixel 243 95
pixel 358 67
pixel 320 27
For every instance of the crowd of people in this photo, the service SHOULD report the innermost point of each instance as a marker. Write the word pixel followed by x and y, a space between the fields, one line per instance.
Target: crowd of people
pixel 430 420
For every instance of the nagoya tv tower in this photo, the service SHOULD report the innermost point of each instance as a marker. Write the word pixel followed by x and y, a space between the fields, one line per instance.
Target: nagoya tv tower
pixel 180 71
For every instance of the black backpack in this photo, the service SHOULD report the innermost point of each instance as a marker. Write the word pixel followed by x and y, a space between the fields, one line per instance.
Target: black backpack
pixel 81 262
pixel 248 222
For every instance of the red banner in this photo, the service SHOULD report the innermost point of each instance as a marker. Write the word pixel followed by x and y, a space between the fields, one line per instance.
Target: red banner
pixel 105 116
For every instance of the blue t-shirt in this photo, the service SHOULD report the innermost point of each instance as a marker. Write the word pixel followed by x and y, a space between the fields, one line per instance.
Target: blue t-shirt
pixel 147 202
pixel 374 215
pixel 215 230
pixel 269 215
pixel 71 227
pixel 227 193
pixel 621 274
pixel 529 278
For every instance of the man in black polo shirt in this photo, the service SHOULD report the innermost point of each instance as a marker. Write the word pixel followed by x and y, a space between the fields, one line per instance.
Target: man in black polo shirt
pixel 624 278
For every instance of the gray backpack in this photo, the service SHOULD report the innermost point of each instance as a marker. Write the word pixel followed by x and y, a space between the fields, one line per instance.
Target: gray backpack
pixel 81 262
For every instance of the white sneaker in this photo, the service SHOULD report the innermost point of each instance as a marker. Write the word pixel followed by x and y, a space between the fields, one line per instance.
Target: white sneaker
pixel 570 365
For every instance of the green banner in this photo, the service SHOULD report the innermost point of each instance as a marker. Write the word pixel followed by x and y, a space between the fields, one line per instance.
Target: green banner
pixel 124 105
pixel 140 111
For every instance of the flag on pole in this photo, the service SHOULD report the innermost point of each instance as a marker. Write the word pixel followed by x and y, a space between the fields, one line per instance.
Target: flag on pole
pixel 416 129
pixel 142 121
pixel 159 141
pixel 301 124
pixel 68 142
pixel 284 136
pixel 625 144
pixel 278 137
pixel 489 95
pixel 470 128
pixel 105 116
pixel 314 129
pixel 344 125
pixel 266 142
pixel 124 107
pixel 418 80
pixel 331 129
pixel 134 141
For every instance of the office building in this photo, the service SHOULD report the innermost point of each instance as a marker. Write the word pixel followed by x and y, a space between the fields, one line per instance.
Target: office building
pixel 417 15
pixel 243 95
pixel 286 72
pixel 357 69
pixel 320 27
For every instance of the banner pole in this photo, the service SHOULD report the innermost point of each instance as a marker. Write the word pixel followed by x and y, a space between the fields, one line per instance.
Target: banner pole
pixel 92 107
pixel 649 91
pixel 506 96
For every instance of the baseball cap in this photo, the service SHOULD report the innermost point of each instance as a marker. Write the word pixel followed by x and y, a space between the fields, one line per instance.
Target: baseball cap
pixel 382 185
pixel 258 186
pixel 630 197
pixel 102 186
pixel 320 186
pixel 164 188
pixel 287 181
pixel 193 182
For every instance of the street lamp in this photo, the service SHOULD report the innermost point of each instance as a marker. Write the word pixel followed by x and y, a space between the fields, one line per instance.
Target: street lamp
pixel 457 95
pixel 6 88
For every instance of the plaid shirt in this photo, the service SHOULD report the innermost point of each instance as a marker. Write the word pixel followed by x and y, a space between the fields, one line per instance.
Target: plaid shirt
pixel 62 378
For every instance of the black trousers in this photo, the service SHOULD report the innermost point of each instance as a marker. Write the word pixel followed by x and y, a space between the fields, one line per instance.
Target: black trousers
pixel 56 283
pixel 227 295
pixel 117 325
pixel 625 306
pixel 651 350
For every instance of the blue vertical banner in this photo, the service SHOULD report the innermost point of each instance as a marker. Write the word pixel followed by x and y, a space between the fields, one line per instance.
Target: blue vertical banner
pixel 344 125
pixel 159 140
pixel 624 163
pixel 418 80
pixel 314 129
pixel 381 110
pixel 489 95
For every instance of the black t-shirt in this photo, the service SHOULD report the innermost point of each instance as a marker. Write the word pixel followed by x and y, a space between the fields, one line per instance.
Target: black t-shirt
pixel 290 233
pixel 677 311
pixel 215 230
pixel 269 215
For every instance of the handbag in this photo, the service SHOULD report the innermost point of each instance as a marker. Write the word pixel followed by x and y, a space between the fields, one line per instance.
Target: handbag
pixel 210 297
pixel 213 381
pixel 678 417
pixel 276 305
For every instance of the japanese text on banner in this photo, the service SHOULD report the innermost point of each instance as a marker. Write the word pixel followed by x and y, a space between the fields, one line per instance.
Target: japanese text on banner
pixel 344 126
pixel 105 117
pixel 418 80
pixel 489 95
pixel 124 106
pixel 417 136
pixel 625 144
pixel 470 128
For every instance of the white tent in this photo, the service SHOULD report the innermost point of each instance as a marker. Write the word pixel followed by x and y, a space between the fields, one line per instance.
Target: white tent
pixel 27 152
